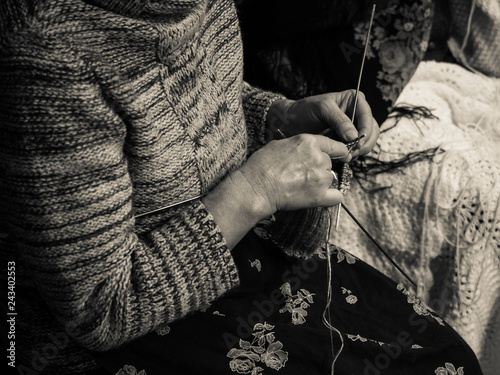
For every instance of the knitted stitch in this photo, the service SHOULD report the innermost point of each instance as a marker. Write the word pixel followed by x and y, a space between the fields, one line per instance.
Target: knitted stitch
pixel 108 110
pixel 309 226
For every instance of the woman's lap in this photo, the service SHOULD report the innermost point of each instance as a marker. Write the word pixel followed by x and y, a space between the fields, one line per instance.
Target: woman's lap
pixel 273 323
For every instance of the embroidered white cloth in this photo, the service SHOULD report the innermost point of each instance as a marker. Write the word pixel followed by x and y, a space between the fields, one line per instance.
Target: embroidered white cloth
pixel 440 220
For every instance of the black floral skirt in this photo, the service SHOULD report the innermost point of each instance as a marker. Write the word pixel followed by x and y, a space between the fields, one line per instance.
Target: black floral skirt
pixel 275 323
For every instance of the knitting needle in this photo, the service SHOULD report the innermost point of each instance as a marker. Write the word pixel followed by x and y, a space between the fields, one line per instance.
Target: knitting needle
pixel 169 206
pixel 354 143
pixel 378 245
pixel 349 146
pixel 367 40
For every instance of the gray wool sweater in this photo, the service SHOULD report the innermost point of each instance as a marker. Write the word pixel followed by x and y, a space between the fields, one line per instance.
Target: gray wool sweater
pixel 109 109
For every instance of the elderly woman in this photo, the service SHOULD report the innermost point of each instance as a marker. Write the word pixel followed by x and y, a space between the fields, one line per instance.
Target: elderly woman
pixel 135 163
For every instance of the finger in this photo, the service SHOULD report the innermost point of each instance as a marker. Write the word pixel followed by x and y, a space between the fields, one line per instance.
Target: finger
pixel 365 124
pixel 334 149
pixel 368 142
pixel 363 118
pixel 337 120
pixel 372 140
pixel 332 198
pixel 326 161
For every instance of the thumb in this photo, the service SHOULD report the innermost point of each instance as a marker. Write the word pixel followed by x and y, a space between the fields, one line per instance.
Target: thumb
pixel 337 121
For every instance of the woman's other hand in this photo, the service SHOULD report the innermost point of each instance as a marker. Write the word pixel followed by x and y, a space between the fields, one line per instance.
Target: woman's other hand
pixel 327 114
pixel 288 174
pixel 295 173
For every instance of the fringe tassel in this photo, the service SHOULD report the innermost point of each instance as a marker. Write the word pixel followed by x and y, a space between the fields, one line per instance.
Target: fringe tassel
pixel 369 165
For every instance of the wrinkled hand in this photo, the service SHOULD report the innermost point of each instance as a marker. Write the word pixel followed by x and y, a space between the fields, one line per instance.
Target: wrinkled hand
pixel 327 114
pixel 295 173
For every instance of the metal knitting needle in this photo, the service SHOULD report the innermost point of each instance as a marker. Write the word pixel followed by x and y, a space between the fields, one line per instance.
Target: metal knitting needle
pixel 378 245
pixel 349 146
pixel 169 206
pixel 367 40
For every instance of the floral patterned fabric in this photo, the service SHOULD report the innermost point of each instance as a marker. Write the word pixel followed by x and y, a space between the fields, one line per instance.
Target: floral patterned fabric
pixel 317 52
pixel 273 324
pixel 399 46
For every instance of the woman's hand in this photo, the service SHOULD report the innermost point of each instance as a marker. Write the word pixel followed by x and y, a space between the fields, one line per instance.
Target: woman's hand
pixel 295 173
pixel 326 114
pixel 288 174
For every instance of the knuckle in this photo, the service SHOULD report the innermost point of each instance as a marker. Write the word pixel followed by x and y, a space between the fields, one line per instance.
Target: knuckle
pixel 317 105
pixel 301 138
pixel 342 120
pixel 308 140
pixel 351 92
pixel 327 105
pixel 325 160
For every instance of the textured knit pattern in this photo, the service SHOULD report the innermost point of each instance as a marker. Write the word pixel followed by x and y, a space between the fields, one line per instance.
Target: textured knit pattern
pixel 308 226
pixel 109 110
pixel 440 220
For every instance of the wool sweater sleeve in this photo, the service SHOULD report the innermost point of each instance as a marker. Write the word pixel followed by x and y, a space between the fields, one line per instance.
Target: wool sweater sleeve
pixel 67 201
pixel 256 104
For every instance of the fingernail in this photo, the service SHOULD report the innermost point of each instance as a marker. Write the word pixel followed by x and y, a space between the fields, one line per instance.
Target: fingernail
pixel 351 135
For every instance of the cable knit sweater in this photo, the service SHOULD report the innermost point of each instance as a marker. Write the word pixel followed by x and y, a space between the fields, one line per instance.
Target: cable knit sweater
pixel 109 109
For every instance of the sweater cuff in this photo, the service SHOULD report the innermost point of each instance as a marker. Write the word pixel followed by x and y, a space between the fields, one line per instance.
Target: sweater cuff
pixel 225 266
pixel 206 264
pixel 256 104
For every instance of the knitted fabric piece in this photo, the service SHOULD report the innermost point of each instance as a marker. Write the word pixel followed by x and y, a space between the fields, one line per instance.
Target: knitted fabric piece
pixel 345 174
pixel 109 110
pixel 300 233
pixel 440 220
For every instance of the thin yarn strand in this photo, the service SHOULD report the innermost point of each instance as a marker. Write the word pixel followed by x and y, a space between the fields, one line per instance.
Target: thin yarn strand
pixel 326 317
